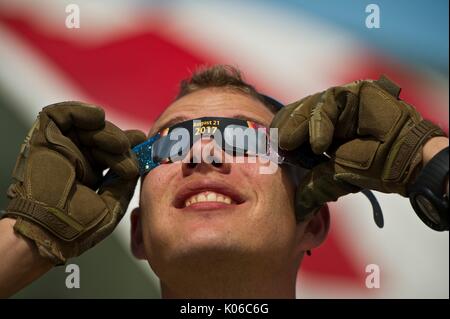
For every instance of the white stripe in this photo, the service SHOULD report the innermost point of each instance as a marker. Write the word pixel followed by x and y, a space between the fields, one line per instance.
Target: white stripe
pixel 292 53
pixel 413 259
pixel 100 21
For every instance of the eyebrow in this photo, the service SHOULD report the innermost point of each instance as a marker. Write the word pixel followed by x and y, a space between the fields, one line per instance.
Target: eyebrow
pixel 182 118
pixel 173 121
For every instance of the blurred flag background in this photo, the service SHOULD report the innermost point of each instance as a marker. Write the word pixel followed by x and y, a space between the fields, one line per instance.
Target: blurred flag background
pixel 128 56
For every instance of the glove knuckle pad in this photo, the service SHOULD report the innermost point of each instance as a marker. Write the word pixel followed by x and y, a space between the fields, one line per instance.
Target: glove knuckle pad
pixel 86 207
pixel 49 177
pixel 378 112
pixel 357 153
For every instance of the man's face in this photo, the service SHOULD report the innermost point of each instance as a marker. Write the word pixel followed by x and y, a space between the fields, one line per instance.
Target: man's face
pixel 250 214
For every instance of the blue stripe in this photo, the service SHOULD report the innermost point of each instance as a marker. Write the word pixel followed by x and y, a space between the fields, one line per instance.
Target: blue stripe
pixel 413 30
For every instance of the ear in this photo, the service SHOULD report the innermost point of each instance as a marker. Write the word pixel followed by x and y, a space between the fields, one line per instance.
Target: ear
pixel 314 230
pixel 137 243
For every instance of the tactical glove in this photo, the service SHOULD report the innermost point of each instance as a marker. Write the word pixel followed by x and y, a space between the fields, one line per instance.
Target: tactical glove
pixel 56 196
pixel 373 138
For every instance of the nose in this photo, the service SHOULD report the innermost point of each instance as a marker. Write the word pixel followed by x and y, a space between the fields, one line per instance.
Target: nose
pixel 205 155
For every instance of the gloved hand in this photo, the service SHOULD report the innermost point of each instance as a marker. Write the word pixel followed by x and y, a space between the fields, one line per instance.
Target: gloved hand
pixel 374 140
pixel 53 195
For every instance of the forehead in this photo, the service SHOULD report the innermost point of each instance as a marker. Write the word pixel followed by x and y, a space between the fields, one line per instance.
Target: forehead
pixel 215 102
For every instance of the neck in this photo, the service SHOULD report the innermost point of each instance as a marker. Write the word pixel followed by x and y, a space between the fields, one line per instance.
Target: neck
pixel 222 280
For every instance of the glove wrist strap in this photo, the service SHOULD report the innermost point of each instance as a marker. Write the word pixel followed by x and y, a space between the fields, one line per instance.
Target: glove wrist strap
pixel 57 223
pixel 399 165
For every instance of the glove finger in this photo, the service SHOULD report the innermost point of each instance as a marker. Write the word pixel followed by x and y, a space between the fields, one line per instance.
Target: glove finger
pixel 109 139
pixel 318 187
pixel 64 145
pixel 282 116
pixel 123 165
pixel 76 114
pixel 118 191
pixel 135 137
pixel 321 123
pixel 292 122
pixel 117 194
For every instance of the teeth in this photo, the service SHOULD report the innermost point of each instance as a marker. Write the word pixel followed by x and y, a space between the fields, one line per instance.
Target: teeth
pixel 207 197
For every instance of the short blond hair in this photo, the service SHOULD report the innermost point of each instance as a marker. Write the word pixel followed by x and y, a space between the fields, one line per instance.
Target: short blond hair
pixel 221 76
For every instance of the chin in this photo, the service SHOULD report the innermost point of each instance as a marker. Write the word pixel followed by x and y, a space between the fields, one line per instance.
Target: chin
pixel 204 239
pixel 209 244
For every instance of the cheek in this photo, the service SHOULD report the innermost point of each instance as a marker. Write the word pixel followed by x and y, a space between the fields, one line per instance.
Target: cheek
pixel 156 183
pixel 273 191
pixel 153 187
pixel 273 208
pixel 154 197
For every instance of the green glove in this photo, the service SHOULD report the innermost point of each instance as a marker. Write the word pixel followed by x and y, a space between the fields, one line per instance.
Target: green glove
pixel 53 195
pixel 374 140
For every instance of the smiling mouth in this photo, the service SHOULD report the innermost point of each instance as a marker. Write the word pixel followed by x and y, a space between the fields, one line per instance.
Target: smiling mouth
pixel 208 197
